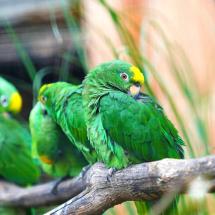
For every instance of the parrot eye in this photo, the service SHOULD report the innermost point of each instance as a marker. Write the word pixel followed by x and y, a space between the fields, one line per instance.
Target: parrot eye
pixel 124 76
pixel 43 99
pixel 44 111
pixel 4 101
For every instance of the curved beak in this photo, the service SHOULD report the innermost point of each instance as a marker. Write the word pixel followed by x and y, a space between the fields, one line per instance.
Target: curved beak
pixel 134 90
pixel 15 105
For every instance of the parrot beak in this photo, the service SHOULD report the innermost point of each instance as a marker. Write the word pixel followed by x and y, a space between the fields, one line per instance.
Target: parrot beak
pixel 15 105
pixel 134 90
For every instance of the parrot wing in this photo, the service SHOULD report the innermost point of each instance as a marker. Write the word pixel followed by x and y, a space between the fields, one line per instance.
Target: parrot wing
pixel 72 121
pixel 140 127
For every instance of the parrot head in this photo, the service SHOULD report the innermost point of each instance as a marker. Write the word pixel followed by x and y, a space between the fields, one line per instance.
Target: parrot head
pixel 37 119
pixel 48 93
pixel 45 97
pixel 44 94
pixel 118 74
pixel 10 99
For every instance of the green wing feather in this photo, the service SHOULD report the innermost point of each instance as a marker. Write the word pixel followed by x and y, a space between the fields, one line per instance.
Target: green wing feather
pixel 16 163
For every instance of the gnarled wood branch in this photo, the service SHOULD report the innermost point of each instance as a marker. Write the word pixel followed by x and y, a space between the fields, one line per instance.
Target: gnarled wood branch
pixel 147 181
pixel 40 195
pixel 96 190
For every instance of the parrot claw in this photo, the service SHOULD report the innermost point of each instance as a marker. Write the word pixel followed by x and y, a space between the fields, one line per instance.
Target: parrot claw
pixel 54 189
pixel 111 172
pixel 84 170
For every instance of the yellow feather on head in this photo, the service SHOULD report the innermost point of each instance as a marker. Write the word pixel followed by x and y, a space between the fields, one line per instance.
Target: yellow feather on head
pixel 137 75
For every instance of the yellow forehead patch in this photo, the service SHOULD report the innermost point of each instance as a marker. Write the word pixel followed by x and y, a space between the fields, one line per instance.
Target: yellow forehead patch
pixel 137 75
pixel 45 159
pixel 43 88
pixel 15 105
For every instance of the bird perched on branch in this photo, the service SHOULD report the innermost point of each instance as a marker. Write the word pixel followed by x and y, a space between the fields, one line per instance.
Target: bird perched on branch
pixel 58 157
pixel 124 125
pixel 63 103
pixel 16 163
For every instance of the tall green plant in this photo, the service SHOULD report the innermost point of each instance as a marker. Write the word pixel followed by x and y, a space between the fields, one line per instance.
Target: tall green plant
pixel 23 54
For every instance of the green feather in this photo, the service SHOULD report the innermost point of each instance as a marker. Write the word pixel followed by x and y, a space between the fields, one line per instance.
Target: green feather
pixel 16 163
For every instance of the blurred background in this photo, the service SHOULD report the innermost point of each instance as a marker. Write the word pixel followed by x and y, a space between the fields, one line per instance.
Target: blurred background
pixel 172 41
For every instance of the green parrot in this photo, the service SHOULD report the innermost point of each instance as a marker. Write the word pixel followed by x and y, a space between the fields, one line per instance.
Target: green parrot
pixel 16 163
pixel 58 157
pixel 63 102
pixel 124 125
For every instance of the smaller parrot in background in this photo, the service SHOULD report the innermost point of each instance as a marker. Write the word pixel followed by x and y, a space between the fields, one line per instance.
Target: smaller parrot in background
pixel 63 102
pixel 58 157
pixel 16 162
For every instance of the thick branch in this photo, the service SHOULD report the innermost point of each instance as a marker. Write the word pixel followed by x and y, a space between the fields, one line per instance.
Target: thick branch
pixel 147 181
pixel 96 191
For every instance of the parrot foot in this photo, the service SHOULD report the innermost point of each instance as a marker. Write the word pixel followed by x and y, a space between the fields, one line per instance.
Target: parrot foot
pixel 84 170
pixel 57 183
pixel 111 172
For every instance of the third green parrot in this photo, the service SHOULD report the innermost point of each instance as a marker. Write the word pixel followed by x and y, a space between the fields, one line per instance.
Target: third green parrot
pixel 58 157
pixel 16 163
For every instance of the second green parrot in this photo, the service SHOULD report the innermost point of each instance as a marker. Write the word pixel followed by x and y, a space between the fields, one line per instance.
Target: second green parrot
pixel 63 102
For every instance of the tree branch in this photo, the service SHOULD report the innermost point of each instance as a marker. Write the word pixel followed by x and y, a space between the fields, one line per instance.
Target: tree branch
pixel 95 191
pixel 147 181
pixel 40 195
